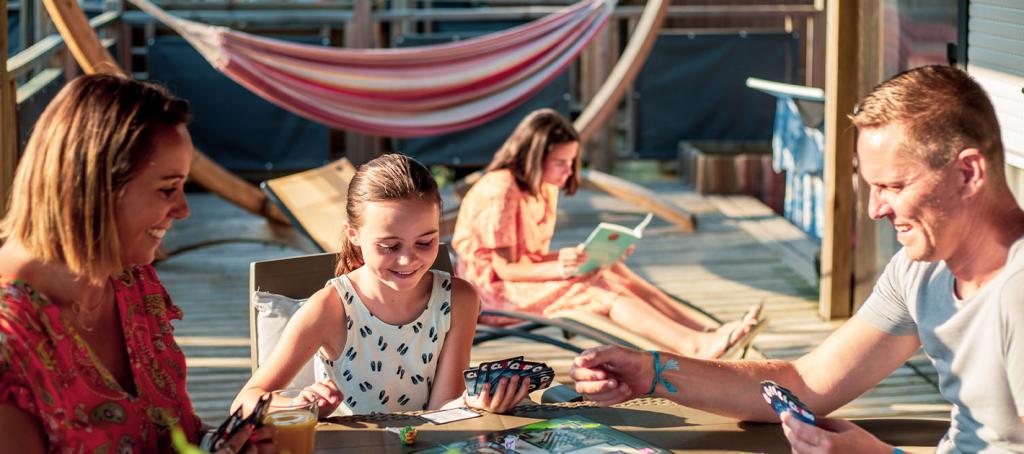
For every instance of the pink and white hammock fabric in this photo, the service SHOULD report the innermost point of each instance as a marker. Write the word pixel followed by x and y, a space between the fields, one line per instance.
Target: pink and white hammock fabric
pixel 407 92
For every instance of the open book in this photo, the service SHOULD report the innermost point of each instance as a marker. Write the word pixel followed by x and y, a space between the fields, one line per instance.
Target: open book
pixel 608 242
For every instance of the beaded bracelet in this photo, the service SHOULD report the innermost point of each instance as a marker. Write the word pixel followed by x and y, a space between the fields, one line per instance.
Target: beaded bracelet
pixel 658 369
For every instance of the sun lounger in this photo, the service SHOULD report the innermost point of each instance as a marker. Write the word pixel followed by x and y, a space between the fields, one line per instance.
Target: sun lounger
pixel 314 200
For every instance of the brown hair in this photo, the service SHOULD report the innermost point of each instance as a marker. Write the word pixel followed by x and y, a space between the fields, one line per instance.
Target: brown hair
pixel 387 178
pixel 942 111
pixel 524 152
pixel 87 144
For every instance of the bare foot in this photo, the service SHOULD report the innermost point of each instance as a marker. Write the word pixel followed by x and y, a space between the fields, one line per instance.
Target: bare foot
pixel 716 342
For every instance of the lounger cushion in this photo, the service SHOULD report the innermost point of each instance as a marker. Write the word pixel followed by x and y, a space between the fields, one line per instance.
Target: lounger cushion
pixel 272 314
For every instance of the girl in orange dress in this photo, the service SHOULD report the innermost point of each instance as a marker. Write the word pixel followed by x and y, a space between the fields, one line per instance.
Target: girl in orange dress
pixel 504 232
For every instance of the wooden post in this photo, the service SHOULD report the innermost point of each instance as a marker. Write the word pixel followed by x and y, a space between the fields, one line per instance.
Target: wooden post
pixel 865 261
pixel 841 80
pixel 8 119
pixel 359 33
pixel 630 62
pixel 815 34
pixel 595 63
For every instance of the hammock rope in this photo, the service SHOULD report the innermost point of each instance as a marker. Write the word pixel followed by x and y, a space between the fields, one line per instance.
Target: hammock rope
pixel 400 92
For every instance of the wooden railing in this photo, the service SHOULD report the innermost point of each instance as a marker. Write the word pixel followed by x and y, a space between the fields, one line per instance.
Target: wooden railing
pixel 36 57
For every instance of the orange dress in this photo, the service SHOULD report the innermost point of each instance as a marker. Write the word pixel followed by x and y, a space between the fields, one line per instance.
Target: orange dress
pixel 48 371
pixel 497 214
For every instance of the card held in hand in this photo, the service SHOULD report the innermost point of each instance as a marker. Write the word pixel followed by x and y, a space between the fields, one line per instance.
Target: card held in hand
pixel 231 426
pixel 491 373
pixel 782 400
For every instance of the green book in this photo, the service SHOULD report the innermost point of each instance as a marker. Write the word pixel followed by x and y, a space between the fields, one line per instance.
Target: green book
pixel 608 242
pixel 571 434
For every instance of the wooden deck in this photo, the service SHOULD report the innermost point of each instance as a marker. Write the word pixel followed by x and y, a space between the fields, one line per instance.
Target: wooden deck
pixel 741 254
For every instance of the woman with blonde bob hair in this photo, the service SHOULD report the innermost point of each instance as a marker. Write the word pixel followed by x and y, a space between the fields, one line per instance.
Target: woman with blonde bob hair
pixel 504 232
pixel 88 359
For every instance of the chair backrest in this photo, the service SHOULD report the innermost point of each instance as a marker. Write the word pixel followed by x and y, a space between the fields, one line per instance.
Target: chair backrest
pixel 297 278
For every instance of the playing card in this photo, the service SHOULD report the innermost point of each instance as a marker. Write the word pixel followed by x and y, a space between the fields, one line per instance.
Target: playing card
pixel 482 377
pixel 782 399
pixel 498 370
pixel 541 380
pixel 230 426
pixel 470 376
pixel 450 415
pixel 527 367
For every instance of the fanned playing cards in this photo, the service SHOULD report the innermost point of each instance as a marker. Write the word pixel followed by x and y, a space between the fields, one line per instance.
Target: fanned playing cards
pixel 782 399
pixel 539 374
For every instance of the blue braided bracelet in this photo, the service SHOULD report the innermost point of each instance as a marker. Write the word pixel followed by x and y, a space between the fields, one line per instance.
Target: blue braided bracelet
pixel 658 369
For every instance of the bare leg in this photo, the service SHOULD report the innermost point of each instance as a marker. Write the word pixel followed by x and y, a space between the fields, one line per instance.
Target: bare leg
pixel 665 304
pixel 636 315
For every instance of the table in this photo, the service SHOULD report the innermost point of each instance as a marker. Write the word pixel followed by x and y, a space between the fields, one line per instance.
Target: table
pixel 657 421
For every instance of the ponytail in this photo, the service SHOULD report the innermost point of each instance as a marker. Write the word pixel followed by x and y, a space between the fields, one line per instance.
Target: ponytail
pixel 350 257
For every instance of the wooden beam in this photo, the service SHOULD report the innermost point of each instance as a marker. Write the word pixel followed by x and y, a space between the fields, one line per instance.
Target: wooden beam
pixel 841 80
pixel 8 118
pixel 622 75
pixel 90 54
pixel 359 33
pixel 639 196
pixel 81 40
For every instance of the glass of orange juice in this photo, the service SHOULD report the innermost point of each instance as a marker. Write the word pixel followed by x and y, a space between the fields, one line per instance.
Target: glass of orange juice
pixel 294 420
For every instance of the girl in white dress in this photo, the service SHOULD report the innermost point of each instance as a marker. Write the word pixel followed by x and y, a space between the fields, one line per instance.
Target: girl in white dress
pixel 389 334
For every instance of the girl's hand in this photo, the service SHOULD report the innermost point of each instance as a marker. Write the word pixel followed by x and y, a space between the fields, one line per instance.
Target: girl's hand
pixel 627 253
pixel 326 395
pixel 506 395
pixel 570 259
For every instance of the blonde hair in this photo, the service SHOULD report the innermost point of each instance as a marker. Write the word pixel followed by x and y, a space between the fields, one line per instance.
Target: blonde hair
pixel 524 151
pixel 86 145
pixel 942 111
pixel 387 178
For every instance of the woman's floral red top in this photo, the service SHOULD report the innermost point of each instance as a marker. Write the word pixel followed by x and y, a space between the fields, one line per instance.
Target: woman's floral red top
pixel 48 371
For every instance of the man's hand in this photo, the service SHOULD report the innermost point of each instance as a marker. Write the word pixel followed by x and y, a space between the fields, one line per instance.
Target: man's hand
pixel 831 435
pixel 611 374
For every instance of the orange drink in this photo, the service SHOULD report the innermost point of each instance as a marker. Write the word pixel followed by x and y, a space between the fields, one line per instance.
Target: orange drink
pixel 295 422
pixel 296 430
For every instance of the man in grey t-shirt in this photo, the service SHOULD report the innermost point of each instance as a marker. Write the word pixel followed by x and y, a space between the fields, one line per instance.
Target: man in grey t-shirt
pixel 929 148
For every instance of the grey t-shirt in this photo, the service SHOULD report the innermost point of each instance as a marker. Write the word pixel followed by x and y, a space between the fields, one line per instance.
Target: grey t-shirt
pixel 976 345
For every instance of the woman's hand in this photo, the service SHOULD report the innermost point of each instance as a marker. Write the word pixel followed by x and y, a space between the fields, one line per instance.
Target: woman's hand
pixel 508 393
pixel 831 435
pixel 249 441
pixel 571 259
pixel 326 395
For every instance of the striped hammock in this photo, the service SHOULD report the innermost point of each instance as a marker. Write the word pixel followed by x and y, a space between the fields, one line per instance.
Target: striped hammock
pixel 407 92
